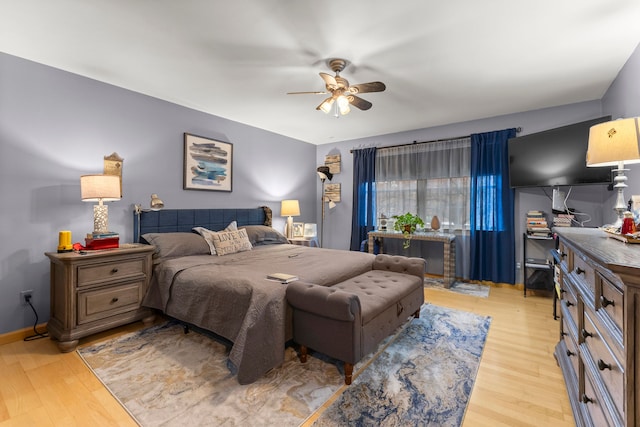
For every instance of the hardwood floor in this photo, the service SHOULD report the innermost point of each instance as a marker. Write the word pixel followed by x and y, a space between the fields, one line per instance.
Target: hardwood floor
pixel 518 383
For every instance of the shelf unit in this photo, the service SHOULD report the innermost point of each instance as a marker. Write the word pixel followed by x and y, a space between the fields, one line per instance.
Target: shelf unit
pixel 537 271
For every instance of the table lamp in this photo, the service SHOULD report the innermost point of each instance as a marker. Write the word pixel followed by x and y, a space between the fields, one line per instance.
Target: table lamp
pixel 615 143
pixel 289 208
pixel 100 188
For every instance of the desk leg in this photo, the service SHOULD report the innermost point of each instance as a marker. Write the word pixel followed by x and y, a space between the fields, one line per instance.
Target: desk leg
pixel 371 244
pixel 449 263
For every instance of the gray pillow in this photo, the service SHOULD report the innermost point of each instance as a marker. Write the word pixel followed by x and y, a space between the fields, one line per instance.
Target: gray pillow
pixel 177 244
pixel 263 235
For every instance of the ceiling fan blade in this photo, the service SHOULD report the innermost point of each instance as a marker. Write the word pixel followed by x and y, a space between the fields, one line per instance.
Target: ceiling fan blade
pixel 358 102
pixel 367 87
pixel 307 93
pixel 329 81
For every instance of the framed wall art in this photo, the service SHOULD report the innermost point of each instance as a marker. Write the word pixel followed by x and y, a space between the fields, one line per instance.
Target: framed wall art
pixel 208 164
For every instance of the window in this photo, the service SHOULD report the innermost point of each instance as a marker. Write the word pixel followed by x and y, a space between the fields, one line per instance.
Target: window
pixel 428 179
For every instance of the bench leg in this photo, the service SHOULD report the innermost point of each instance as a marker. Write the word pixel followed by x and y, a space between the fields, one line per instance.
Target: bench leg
pixel 303 353
pixel 348 373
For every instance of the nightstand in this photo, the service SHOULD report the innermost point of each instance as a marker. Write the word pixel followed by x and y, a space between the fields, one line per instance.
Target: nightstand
pixel 94 291
pixel 302 241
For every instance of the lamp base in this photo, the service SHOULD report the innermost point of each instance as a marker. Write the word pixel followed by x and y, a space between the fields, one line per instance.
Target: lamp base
pixel 100 219
pixel 289 230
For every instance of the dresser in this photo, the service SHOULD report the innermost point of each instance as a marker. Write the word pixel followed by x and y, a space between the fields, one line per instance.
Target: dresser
pixel 599 346
pixel 97 290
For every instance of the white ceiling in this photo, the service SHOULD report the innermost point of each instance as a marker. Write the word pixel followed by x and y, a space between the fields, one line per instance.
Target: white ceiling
pixel 442 61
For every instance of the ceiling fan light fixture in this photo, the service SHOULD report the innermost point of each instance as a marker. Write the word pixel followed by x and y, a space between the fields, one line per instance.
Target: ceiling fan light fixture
pixel 325 107
pixel 343 105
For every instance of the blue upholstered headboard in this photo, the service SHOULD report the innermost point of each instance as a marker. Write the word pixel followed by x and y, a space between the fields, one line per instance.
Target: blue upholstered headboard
pixel 183 220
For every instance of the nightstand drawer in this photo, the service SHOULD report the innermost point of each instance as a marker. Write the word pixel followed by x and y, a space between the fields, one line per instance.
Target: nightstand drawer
pixel 101 303
pixel 110 271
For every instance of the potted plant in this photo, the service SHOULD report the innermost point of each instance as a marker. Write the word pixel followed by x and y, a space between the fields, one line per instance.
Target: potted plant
pixel 406 224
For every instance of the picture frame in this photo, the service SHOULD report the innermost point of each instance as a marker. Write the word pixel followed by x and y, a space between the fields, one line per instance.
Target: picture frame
pixel 208 164
pixel 298 229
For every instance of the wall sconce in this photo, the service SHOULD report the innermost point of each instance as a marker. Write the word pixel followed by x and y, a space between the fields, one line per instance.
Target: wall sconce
pixel 100 188
pixel 156 204
pixel 615 143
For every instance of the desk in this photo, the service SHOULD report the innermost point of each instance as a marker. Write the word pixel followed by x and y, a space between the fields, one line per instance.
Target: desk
pixel 304 241
pixel 448 243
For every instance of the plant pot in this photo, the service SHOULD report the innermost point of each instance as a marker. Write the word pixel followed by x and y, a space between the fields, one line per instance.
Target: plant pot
pixel 407 228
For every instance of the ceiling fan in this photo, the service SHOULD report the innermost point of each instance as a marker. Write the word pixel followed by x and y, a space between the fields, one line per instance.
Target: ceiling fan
pixel 343 94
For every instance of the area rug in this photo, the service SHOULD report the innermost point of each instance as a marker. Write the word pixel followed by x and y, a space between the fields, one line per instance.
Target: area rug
pixel 464 288
pixel 423 378
pixel 164 377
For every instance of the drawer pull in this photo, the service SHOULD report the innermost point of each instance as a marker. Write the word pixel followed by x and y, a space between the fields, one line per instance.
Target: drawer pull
pixel 579 270
pixel 602 365
pixel 114 270
pixel 586 334
pixel 568 303
pixel 605 302
pixel 586 399
pixel 570 353
pixel 114 299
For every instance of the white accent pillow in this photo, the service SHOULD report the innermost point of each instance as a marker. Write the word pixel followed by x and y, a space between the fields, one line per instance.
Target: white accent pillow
pixel 208 234
pixel 230 242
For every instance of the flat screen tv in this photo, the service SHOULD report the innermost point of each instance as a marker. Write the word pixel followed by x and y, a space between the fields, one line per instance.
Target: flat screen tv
pixel 555 157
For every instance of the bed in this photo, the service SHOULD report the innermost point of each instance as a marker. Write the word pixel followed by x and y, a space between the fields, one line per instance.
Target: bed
pixel 229 294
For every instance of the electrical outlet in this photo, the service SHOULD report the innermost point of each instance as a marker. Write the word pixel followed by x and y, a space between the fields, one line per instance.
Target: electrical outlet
pixel 24 295
pixel 517 266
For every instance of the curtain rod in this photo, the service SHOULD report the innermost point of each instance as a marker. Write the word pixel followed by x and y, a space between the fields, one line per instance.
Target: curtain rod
pixel 518 130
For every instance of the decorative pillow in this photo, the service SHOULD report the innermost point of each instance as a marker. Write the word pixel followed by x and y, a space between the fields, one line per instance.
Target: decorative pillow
pixel 263 235
pixel 230 242
pixel 177 244
pixel 208 234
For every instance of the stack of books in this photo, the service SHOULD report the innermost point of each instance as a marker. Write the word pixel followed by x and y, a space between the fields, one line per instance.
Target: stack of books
pixel 108 240
pixel 562 220
pixel 537 225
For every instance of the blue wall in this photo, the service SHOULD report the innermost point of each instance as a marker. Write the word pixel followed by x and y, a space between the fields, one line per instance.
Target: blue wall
pixel 621 100
pixel 56 126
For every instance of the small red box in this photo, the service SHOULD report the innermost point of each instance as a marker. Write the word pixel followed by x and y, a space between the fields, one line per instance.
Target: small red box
pixel 106 243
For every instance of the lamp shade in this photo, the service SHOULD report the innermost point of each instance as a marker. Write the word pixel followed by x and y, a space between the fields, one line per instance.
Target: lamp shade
pixel 289 208
pixel 613 142
pixel 323 173
pixel 94 188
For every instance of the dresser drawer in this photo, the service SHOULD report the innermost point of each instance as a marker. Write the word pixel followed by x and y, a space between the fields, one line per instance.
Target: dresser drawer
pixel 110 271
pixel 572 348
pixel 610 300
pixel 606 365
pixel 592 404
pixel 583 272
pixel 569 301
pixel 105 302
pixel 566 256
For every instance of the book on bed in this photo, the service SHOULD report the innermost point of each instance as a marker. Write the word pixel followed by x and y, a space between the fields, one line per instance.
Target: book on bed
pixel 282 277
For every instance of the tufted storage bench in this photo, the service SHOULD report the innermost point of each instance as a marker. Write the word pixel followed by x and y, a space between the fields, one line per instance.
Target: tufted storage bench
pixel 348 320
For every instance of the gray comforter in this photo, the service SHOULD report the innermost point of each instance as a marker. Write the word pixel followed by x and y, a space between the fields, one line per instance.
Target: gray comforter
pixel 231 296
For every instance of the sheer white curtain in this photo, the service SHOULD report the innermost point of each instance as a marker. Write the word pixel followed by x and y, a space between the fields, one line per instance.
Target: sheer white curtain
pixel 429 179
